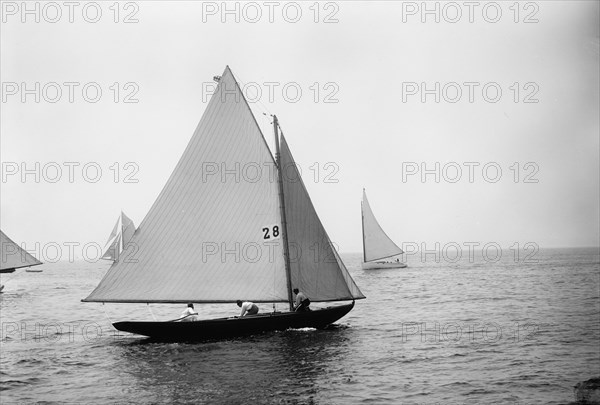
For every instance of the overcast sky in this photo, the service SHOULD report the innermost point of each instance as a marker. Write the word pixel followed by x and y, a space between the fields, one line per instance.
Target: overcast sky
pixel 507 94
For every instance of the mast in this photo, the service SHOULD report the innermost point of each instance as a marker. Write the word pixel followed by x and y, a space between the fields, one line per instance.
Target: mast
pixel 362 217
pixel 121 244
pixel 286 250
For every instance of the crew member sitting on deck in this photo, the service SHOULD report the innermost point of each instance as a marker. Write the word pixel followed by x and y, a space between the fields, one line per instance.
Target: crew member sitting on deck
pixel 248 308
pixel 302 302
pixel 189 314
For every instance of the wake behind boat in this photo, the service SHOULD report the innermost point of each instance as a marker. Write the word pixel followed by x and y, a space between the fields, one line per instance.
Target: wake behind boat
pixel 376 244
pixel 184 251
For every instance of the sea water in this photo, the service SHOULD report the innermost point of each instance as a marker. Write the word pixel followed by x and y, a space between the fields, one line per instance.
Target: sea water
pixel 469 330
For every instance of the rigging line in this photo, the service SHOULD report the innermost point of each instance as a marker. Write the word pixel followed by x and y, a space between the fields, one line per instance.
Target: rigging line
pixel 7 276
pixel 280 127
pixel 150 309
pixel 245 89
pixel 106 314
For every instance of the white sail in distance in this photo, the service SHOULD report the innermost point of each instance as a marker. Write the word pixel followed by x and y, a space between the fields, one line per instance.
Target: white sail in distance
pixel 120 235
pixel 13 256
pixel 376 244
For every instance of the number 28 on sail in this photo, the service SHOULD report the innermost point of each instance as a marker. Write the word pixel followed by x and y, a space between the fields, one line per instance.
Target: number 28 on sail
pixel 177 257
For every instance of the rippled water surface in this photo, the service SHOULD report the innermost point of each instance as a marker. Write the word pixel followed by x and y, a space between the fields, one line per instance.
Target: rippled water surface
pixel 473 332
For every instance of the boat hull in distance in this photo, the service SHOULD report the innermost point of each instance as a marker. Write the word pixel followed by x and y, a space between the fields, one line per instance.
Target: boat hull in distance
pixel 383 265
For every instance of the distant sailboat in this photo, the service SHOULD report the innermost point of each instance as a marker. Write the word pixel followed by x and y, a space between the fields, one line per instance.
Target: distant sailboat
pixel 14 257
pixel 120 235
pixel 230 225
pixel 376 244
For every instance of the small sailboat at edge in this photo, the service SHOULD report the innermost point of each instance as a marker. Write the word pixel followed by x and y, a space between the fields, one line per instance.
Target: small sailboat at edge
pixel 14 257
pixel 217 235
pixel 376 244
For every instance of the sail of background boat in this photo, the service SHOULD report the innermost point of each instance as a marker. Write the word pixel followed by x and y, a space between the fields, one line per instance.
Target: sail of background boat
pixel 13 256
pixel 120 235
pixel 217 238
pixel 376 244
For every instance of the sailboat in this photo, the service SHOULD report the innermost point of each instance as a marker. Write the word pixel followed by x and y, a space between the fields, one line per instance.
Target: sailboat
pixel 120 235
pixel 377 246
pixel 230 225
pixel 13 256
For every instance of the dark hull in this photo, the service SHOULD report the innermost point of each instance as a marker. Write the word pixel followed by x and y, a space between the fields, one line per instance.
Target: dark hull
pixel 7 271
pixel 383 265
pixel 228 327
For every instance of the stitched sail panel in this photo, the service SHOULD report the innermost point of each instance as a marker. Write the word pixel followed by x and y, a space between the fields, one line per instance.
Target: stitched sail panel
pixel 209 237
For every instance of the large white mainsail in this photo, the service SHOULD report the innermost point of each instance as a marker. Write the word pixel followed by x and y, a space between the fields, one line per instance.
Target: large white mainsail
pixel 316 268
pixel 13 256
pixel 215 232
pixel 376 244
pixel 120 235
pixel 203 239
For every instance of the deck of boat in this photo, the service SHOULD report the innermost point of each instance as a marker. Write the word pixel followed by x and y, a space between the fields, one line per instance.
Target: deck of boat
pixel 235 326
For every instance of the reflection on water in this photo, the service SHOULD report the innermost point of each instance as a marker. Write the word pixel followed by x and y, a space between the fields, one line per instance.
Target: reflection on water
pixel 282 367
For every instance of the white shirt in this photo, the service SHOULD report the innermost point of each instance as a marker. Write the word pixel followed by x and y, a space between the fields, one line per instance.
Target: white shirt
pixel 300 297
pixel 189 311
pixel 247 306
